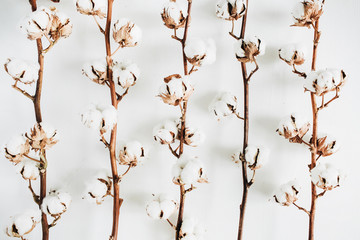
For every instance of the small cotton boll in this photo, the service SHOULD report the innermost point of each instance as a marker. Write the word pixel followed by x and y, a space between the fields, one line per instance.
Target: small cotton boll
pixel 131 154
pixel 109 116
pixel 224 105
pixel 287 194
pixel 161 207
pixel 17 145
pixel 326 176
pixel 176 89
pixel 125 74
pixel 92 7
pixel 96 71
pixel 193 136
pixel 165 133
pixel 230 9
pixel 29 169
pixel 56 203
pixel 199 52
pixel 22 224
pixel 173 15
pixel 292 54
pixel 326 145
pixel 188 171
pixel 192 228
pixel 293 128
pixel 23 71
pixel 246 50
pixel 37 23
pixel 126 33
pixel 307 12
pixel 92 117
pixel 256 157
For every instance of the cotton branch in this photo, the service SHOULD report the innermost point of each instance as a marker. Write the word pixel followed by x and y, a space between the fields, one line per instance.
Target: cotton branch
pixel 26 94
pixel 302 209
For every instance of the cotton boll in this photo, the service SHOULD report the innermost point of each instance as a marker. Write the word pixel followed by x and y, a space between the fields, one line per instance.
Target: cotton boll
pixel 192 229
pixel 56 203
pixel 17 145
pixel 22 224
pixel 256 157
pixel 42 136
pixel 230 9
pixel 224 105
pixel 166 133
pixel 92 7
pixel 92 117
pixel 126 33
pixel 292 54
pixel 96 71
pixel 176 89
pixel 99 187
pixel 326 176
pixel 326 145
pixel 188 171
pixel 193 136
pixel 19 70
pixel 109 117
pixel 287 194
pixel 173 15
pixel 293 128
pixel 61 26
pixel 199 52
pixel 323 81
pixel 305 13
pixel 29 169
pixel 161 207
pixel 246 50
pixel 132 153
pixel 37 24
pixel 125 74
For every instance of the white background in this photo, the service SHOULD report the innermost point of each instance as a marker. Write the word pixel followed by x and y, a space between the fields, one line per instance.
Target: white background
pixel 275 92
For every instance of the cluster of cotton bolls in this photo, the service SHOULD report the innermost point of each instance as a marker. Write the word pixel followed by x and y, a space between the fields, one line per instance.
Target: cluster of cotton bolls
pixel 132 153
pixel 292 54
pixel 293 128
pixel 200 52
pixel 56 203
pixel 246 50
pixel 230 9
pixel 326 176
pixel 22 71
pixel 99 188
pixel 92 7
pixel 47 22
pixel 98 117
pixel 323 81
pixel 306 12
pixel 224 105
pixel 174 15
pixel 255 157
pixel 191 229
pixel 162 206
pixel 22 224
pixel 176 89
pixel 188 171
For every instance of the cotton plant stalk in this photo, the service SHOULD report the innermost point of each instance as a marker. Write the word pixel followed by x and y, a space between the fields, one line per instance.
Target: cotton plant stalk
pixel 176 91
pixel 45 26
pixel 250 158
pixel 323 87
pixel 118 77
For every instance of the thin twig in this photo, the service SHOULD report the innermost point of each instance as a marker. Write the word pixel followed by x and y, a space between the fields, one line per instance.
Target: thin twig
pixel 253 71
pixel 35 196
pixel 26 94
pixel 232 31
pixel 302 209
pixel 98 24
pixel 238 116
pixel 173 151
pixel 104 141
pixel 171 224
pixel 120 97
pixel 175 36
pixel 301 74
pixel 252 179
pixel 193 69
pixel 321 194
pixel 116 50
pixel 126 172
pixel 56 219
pixel 36 160
pixel 331 100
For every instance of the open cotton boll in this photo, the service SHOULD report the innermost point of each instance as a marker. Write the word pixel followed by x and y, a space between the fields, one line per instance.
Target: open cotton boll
pixel 173 15
pixel 29 169
pixel 125 73
pixel 224 105
pixel 193 136
pixel 288 193
pixel 188 171
pixel 323 81
pixel 293 128
pixel 22 224
pixel 326 144
pixel 96 71
pixel 92 117
pixel 298 11
pixel 126 33
pixel 246 50
pixel 176 89
pixel 166 132
pixel 37 24
pixel 99 187
pixel 292 54
pixel 48 129
pixel 256 157
pixel 17 145
pixel 23 71
pixel 199 52
pixel 326 176
pixel 92 7
pixel 230 9
pixel 161 207
pixel 307 12
pixel 132 153
pixel 56 203
pixel 192 228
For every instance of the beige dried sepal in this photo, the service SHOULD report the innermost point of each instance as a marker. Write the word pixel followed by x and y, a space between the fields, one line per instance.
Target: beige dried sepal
pixel 312 13
pixel 125 159
pixel 296 59
pixel 19 157
pixel 251 51
pixel 39 140
pixel 58 29
pixel 296 134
